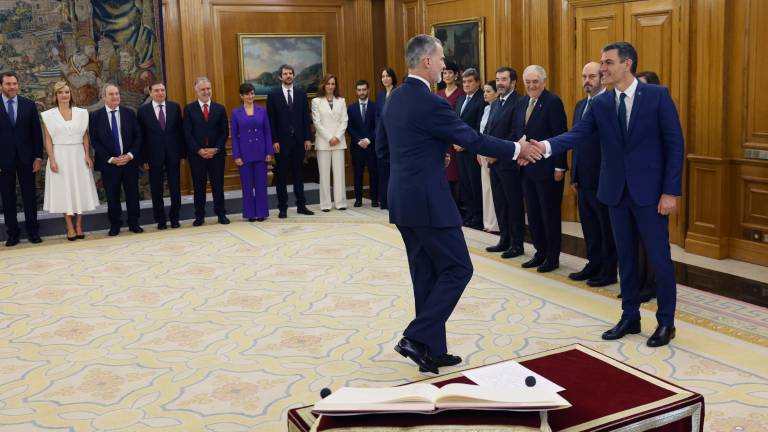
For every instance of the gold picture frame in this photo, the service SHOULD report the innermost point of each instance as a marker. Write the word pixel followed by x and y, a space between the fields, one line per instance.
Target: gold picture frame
pixel 262 54
pixel 463 42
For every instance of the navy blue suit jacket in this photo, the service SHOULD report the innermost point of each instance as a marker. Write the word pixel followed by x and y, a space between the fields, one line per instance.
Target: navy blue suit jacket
pixel 473 113
pixel 359 129
pixel 100 132
pixel 24 140
pixel 416 129
pixel 156 142
pixel 547 119
pixel 650 163
pixel 199 133
pixel 586 155
pixel 290 126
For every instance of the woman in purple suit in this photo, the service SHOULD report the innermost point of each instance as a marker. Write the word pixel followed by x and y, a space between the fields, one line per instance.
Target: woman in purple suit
pixel 252 151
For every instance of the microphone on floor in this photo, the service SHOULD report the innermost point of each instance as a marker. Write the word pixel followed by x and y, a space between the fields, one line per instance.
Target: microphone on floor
pixel 325 392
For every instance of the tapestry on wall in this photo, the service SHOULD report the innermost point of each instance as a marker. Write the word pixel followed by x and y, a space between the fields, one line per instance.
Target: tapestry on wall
pixel 87 43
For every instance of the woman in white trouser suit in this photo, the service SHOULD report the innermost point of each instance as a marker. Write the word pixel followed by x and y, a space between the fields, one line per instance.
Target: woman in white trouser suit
pixel 329 114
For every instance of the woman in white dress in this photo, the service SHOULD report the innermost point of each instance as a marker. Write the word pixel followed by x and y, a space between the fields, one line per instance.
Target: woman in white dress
pixel 489 213
pixel 69 185
pixel 329 114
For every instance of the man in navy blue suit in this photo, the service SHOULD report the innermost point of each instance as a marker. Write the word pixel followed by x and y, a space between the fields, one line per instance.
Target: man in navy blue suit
pixel 470 108
pixel 21 144
pixel 640 177
pixel 595 222
pixel 417 128
pixel 362 129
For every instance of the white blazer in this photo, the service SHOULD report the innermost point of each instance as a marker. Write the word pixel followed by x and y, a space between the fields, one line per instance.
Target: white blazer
pixel 329 123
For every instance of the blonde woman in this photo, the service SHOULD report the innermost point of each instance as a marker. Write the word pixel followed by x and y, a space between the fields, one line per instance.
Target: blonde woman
pixel 329 114
pixel 69 185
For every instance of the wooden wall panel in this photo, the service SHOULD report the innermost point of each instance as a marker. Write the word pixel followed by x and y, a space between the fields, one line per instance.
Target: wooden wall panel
pixel 757 103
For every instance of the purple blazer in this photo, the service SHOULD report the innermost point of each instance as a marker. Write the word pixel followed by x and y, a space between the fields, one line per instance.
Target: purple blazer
pixel 251 136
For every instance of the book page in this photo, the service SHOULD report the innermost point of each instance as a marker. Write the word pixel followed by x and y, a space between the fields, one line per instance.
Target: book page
pixel 468 395
pixel 508 375
pixel 416 397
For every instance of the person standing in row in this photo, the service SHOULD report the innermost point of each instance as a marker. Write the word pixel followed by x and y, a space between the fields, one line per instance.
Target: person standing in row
pixel 388 82
pixel 452 92
pixel 69 185
pixel 490 223
pixel 470 107
pixel 329 115
pixel 252 151
pixel 362 130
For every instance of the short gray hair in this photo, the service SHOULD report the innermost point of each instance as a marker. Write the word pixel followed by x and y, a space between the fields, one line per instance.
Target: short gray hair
pixel 198 80
pixel 538 69
pixel 471 72
pixel 419 47
pixel 104 88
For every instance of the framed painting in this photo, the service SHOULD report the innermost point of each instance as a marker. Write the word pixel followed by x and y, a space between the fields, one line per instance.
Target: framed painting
pixel 463 43
pixel 261 56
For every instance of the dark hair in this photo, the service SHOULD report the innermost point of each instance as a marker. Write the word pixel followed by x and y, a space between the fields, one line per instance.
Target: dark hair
pixel 391 73
pixel 156 83
pixel 471 72
pixel 286 67
pixel 324 82
pixel 512 72
pixel 650 77
pixel 8 74
pixel 246 88
pixel 451 66
pixel 491 83
pixel 626 51
pixel 361 82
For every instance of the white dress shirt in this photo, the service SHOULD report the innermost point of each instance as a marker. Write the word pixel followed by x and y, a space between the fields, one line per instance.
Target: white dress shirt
pixel 157 110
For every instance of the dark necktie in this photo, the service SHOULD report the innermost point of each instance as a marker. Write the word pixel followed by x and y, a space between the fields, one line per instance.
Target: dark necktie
pixel 363 108
pixel 205 112
pixel 290 99
pixel 623 115
pixel 11 112
pixel 115 134
pixel 586 107
pixel 161 118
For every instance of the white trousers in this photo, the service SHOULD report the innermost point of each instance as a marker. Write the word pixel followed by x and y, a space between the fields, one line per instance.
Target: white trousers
pixel 489 212
pixel 328 160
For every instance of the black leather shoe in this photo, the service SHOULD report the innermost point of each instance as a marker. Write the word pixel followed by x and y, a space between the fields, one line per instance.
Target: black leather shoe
pixel 223 219
pixel 251 219
pixel 304 211
pixel 325 210
pixel 418 353
pixel 114 231
pixel 80 236
pixel 198 221
pixel 282 214
pixel 586 273
pixel 533 262
pixel 34 238
pixel 73 238
pixel 260 219
pixel 548 266
pixel 341 208
pixel 512 252
pixel 175 224
pixel 12 241
pixel 601 282
pixel 358 203
pixel 661 336
pixel 444 360
pixel 646 295
pixel 623 328
pixel 375 204
pixel 498 248
pixel 161 226
pixel 136 229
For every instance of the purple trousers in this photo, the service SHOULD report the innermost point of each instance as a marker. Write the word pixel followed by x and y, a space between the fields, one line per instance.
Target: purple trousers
pixel 253 178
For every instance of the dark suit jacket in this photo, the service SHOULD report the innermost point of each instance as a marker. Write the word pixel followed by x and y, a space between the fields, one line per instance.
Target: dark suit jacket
pixel 156 142
pixel 416 127
pixel 290 127
pixel 199 133
pixel 24 140
pixel 500 119
pixel 547 119
pixel 473 113
pixel 649 163
pixel 586 156
pixel 359 129
pixel 100 131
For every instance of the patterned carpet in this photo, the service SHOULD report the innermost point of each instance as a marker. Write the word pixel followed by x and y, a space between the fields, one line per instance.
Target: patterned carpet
pixel 225 328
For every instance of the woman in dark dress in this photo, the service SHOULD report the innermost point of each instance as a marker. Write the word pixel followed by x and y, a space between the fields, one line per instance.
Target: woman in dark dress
pixel 388 83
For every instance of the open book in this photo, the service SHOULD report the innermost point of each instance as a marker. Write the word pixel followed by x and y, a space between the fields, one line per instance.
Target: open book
pixel 426 398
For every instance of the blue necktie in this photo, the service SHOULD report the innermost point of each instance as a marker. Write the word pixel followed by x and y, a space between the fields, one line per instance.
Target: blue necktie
pixel 11 112
pixel 623 116
pixel 116 134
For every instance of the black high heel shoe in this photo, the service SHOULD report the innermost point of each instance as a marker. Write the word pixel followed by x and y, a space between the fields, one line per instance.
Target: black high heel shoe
pixel 73 238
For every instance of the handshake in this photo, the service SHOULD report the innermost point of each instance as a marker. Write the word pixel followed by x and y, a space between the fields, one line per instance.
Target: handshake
pixel 530 151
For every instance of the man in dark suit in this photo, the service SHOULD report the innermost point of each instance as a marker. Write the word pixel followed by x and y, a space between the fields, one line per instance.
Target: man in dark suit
pixel 470 107
pixel 416 128
pixel 289 119
pixel 541 114
pixel 640 177
pixel 21 144
pixel 162 139
pixel 206 130
pixel 595 222
pixel 362 131
pixel 506 182
pixel 116 139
